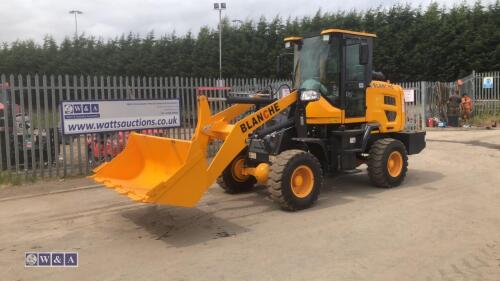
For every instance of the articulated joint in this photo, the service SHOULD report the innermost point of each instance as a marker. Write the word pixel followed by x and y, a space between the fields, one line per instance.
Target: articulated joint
pixel 260 173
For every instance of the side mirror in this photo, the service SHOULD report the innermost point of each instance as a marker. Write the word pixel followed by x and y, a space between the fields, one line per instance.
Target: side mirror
pixel 364 53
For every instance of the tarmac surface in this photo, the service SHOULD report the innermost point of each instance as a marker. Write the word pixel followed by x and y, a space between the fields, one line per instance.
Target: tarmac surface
pixel 443 223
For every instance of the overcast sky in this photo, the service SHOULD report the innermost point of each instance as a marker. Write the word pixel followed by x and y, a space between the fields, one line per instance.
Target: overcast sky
pixel 33 19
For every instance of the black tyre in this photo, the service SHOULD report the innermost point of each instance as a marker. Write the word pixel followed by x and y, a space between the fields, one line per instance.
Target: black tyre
pixel 387 163
pixel 232 181
pixel 295 179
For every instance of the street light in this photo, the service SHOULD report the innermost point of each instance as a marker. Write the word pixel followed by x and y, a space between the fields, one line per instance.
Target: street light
pixel 76 12
pixel 219 7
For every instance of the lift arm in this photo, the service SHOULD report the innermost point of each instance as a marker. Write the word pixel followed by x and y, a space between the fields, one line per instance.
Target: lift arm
pixel 177 172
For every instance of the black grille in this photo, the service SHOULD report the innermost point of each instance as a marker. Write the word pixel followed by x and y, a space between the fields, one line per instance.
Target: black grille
pixel 391 115
pixel 389 100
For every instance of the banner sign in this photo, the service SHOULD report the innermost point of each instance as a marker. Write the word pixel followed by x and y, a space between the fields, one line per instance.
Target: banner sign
pixel 82 117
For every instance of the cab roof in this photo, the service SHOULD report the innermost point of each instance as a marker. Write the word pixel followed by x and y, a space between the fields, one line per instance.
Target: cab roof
pixel 336 30
pixel 329 31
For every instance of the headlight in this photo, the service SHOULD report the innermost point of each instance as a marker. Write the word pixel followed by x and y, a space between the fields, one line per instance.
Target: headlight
pixel 309 95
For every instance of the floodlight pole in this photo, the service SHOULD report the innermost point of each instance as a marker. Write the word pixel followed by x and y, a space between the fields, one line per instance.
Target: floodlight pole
pixel 220 45
pixel 220 7
pixel 76 12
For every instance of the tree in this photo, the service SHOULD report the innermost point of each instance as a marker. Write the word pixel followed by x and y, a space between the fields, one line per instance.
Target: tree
pixel 432 43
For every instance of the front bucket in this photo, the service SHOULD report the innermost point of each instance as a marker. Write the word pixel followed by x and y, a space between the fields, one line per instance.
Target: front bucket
pixel 157 170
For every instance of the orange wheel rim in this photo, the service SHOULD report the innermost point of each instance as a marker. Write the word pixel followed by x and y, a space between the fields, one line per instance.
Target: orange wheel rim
pixel 237 170
pixel 302 181
pixel 395 164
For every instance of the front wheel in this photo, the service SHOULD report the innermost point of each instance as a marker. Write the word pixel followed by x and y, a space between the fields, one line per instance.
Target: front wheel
pixel 387 163
pixel 295 179
pixel 233 180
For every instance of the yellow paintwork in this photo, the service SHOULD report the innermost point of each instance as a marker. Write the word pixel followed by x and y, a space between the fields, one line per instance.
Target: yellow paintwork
pixel 176 172
pixel 395 164
pixel 293 38
pixel 261 172
pixel 322 112
pixel 375 111
pixel 237 169
pixel 336 30
pixel 351 120
pixel 302 181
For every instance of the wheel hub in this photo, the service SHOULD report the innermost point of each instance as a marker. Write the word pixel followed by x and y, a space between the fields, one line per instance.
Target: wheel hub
pixel 395 163
pixel 302 181
pixel 237 170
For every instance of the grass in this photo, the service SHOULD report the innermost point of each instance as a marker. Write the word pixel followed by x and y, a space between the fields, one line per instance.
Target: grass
pixel 13 179
pixel 485 120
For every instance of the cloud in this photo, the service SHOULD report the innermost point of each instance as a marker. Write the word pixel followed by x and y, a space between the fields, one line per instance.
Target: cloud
pixel 33 19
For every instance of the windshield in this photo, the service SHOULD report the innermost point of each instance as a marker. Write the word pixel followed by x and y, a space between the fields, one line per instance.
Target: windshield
pixel 313 53
pixel 317 66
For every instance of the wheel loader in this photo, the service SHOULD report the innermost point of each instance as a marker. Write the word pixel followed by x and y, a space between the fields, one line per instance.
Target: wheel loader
pixel 335 118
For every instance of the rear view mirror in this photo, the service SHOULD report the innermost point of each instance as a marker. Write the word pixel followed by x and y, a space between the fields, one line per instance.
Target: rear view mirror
pixel 364 53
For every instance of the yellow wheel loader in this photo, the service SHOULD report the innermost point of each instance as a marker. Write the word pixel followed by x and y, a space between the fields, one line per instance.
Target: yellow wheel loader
pixel 336 117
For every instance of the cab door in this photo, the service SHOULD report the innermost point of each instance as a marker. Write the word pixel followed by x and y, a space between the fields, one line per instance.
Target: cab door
pixel 355 76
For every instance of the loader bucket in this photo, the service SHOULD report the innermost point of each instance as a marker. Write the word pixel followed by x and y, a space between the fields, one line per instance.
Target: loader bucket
pixel 156 170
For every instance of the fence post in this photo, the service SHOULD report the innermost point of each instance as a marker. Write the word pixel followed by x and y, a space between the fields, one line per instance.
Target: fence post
pixel 473 84
pixel 5 101
pixel 23 127
pixel 177 96
pixel 423 100
pixel 12 84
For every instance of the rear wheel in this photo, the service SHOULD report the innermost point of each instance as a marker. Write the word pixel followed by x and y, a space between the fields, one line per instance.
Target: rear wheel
pixel 295 179
pixel 387 163
pixel 232 180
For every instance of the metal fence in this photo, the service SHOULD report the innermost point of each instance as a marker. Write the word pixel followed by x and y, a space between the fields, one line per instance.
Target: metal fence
pixel 415 110
pixel 31 143
pixel 486 100
pixel 431 98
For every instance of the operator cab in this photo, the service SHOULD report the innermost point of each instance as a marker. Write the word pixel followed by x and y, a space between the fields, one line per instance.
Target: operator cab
pixel 337 65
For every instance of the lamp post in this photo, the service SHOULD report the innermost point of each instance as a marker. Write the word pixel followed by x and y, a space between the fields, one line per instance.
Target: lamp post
pixel 219 7
pixel 76 12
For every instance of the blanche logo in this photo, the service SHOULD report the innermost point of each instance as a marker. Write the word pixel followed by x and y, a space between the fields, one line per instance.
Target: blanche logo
pixel 51 259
